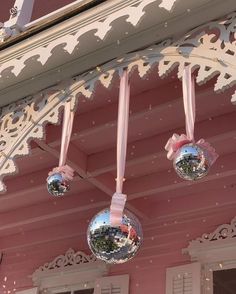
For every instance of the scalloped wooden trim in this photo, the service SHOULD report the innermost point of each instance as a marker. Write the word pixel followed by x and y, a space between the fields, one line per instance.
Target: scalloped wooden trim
pixel 66 261
pixel 223 232
pixel 99 27
pixel 69 268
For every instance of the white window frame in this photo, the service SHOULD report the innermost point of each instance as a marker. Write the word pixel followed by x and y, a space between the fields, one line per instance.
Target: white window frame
pixel 215 252
pixel 70 272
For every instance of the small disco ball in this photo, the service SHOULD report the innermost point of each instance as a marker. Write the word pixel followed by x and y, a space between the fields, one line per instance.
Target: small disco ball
pixel 191 162
pixel 114 244
pixel 56 185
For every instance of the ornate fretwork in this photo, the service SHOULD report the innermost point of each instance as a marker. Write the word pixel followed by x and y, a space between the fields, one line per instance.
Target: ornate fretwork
pixel 214 249
pixel 62 262
pixel 72 268
pixel 25 120
pixel 223 232
pixel 210 50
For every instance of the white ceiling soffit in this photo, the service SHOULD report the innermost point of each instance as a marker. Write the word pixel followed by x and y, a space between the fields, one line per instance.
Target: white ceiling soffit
pixel 96 36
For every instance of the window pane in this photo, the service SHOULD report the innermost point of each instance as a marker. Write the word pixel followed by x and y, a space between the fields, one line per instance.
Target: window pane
pixel 224 281
pixel 88 291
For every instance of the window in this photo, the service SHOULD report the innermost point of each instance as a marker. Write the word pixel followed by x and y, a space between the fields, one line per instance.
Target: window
pixel 89 291
pixel 82 274
pixel 214 267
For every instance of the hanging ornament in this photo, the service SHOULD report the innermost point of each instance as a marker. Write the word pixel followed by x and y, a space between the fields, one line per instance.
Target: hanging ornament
pixel 114 244
pixel 191 160
pixel 57 181
pixel 113 236
pixel 58 178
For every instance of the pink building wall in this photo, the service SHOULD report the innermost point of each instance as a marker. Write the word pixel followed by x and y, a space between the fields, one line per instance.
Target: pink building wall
pixel 177 221
pixel 162 246
pixel 41 8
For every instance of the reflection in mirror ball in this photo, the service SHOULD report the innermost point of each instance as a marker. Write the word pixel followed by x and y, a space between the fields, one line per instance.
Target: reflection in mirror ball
pixel 114 244
pixel 56 185
pixel 191 162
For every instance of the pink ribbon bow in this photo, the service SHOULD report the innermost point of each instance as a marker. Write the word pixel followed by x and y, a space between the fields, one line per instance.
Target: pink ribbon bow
pixel 174 143
pixel 119 199
pixel 177 141
pixel 66 171
pixel 212 155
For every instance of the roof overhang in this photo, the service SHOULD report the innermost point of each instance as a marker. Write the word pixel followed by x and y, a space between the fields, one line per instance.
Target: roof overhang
pixel 93 37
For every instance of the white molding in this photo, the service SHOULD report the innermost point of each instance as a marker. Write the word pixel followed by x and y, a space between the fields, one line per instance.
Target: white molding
pixel 73 269
pixel 28 291
pixel 216 247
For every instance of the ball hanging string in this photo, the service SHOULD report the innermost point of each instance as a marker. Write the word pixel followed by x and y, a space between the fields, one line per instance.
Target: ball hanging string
pixel 64 171
pixel 189 100
pixel 119 199
pixel 176 141
pixel 191 160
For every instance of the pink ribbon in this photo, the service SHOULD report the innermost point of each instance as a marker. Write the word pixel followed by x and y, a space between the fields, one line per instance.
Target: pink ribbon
pixel 212 155
pixel 174 143
pixel 119 199
pixel 177 141
pixel 68 118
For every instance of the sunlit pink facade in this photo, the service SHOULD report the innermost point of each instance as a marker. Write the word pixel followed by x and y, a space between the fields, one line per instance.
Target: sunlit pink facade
pixel 35 228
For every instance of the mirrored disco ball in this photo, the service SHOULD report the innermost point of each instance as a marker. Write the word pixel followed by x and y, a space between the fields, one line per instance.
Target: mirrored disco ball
pixel 114 244
pixel 191 162
pixel 56 185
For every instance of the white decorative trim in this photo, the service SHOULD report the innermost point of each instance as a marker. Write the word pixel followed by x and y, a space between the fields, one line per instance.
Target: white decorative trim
pixel 223 232
pixel 73 268
pixel 99 26
pixel 215 251
pixel 25 120
pixel 167 4
pixel 210 49
pixel 216 246
pixel 62 262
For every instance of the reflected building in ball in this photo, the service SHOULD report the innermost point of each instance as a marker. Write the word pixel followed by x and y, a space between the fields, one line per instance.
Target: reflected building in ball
pixel 114 244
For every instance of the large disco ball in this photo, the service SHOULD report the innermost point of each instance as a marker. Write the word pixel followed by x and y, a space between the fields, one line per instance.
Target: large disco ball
pixel 56 184
pixel 191 162
pixel 114 244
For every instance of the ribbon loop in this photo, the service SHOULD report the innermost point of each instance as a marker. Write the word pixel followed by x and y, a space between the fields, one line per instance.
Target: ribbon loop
pixel 177 141
pixel 68 118
pixel 174 143
pixel 119 199
pixel 66 171
pixel 117 208
pixel 188 86
pixel 212 155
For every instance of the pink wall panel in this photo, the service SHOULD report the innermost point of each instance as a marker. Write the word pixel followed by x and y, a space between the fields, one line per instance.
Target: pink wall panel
pixel 6 5
pixel 161 249
pixel 42 8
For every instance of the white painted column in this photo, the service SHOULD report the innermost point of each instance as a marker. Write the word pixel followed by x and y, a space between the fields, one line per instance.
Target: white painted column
pixel 23 12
